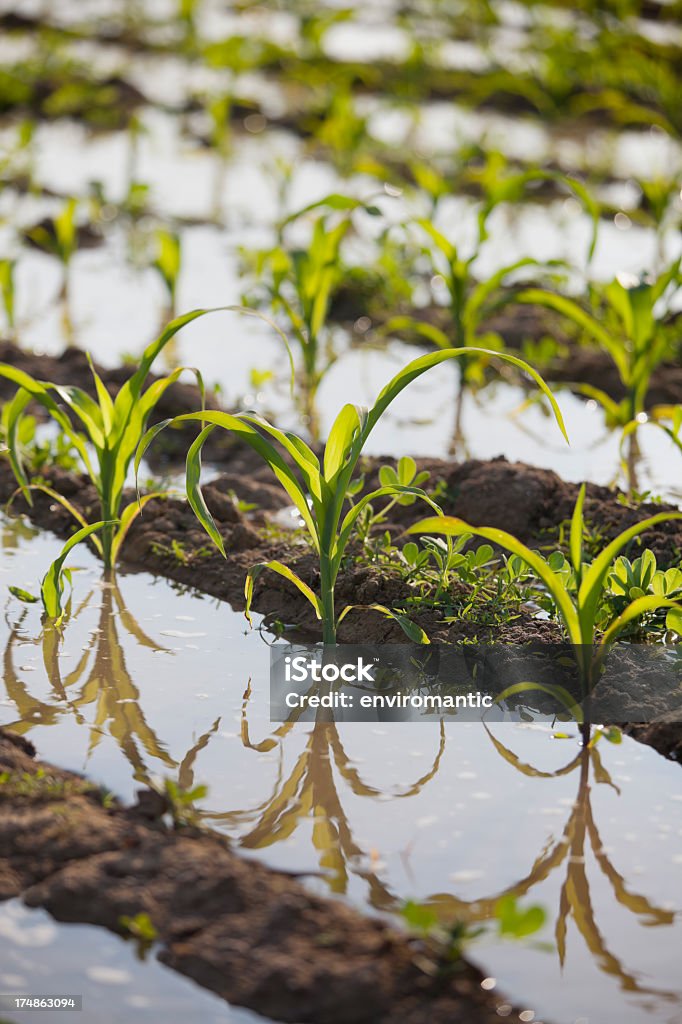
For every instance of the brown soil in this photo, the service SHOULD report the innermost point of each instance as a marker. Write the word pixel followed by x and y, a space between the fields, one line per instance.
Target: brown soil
pixel 256 937
pixel 529 502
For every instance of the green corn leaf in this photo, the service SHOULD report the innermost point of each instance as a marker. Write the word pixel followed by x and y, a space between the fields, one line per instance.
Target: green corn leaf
pixel 65 503
pixel 346 426
pixel 411 630
pixel 194 492
pixel 483 291
pixel 427 331
pixel 420 365
pixel 346 528
pixel 576 535
pixel 288 574
pixel 106 404
pixel 23 595
pixel 243 429
pixel 440 241
pixel 561 694
pixel 126 519
pixel 570 309
pixel 87 411
pixel 305 459
pixel 168 259
pixel 52 586
pixel 12 418
pixel 611 408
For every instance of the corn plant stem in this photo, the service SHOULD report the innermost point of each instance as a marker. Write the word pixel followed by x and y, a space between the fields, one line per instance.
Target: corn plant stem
pixel 633 457
pixel 457 440
pixel 65 297
pixel 107 535
pixel 309 402
pixel 327 583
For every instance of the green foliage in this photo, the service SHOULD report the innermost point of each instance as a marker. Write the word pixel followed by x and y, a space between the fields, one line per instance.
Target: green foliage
pixel 517 923
pixel 298 285
pixel 52 586
pixel 579 593
pixel 40 454
pixel 471 303
pixel 318 490
pixel 182 803
pixel 446 942
pixel 62 241
pixel 167 261
pixel 23 595
pixel 7 268
pixel 108 428
pixel 626 323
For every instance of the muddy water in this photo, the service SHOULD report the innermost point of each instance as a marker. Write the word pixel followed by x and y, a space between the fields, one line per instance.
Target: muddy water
pixel 153 683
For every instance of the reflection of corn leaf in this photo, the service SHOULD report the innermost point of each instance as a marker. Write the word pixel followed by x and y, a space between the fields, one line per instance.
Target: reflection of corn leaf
pixel 270 742
pixel 186 772
pixel 293 801
pixel 326 841
pixel 601 775
pixel 639 905
pixel 527 769
pixel 561 923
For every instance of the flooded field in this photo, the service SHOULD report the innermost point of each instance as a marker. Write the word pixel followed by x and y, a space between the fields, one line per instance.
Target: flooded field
pixel 339 191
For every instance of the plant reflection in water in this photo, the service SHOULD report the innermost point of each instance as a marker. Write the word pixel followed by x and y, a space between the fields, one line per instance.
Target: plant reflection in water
pixel 101 678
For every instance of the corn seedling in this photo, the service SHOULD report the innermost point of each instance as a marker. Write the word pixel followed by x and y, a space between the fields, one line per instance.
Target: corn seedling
pixel 470 303
pixel 109 428
pixel 7 268
pixel 577 592
pixel 167 262
pixel 219 109
pixel 627 325
pixel 187 16
pixel 299 284
pixel 62 243
pixel 319 491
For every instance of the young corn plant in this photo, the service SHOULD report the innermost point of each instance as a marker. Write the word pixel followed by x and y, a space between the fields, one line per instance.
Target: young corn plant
pixel 62 243
pixel 319 490
pixel 469 302
pixel 627 324
pixel 167 262
pixel 299 284
pixel 104 433
pixel 219 109
pixel 7 269
pixel 578 592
